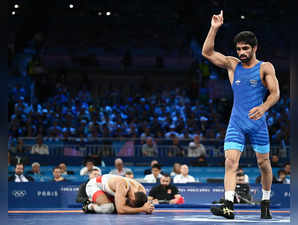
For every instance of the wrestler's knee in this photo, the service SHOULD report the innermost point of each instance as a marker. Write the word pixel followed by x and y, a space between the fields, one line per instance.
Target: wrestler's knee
pixel 231 164
pixel 263 163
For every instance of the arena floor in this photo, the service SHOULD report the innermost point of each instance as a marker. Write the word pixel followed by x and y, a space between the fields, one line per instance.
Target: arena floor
pixel 160 216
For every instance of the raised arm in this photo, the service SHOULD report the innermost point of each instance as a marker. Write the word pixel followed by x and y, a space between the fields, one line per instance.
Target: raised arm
pixel 208 51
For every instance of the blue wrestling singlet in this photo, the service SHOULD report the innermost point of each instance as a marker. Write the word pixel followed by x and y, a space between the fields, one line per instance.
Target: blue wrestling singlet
pixel 249 92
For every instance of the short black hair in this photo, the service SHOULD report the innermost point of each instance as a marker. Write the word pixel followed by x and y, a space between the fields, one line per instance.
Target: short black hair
pixel 166 175
pixel 128 172
pixel 141 199
pixel 19 164
pixel 287 163
pixel 56 167
pixel 157 166
pixel 247 37
pixel 281 171
pixel 239 169
pixel 89 160
pixel 240 174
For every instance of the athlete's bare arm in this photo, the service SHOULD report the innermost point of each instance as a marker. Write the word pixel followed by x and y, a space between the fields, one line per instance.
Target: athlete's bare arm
pixel 120 200
pixel 141 188
pixel 227 62
pixel 270 81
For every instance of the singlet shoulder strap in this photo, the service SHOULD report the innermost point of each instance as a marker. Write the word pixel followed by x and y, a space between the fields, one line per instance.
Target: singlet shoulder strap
pixel 260 63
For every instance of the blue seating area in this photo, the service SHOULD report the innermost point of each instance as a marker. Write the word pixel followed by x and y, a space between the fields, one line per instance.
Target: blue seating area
pixel 201 174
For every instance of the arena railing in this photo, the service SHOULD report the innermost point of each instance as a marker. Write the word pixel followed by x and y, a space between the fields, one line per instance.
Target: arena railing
pixel 132 147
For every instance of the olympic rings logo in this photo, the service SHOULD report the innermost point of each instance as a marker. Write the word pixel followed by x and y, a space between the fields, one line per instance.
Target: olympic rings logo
pixel 19 193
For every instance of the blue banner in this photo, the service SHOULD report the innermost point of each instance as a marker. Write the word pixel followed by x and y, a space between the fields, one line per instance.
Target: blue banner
pixel 63 195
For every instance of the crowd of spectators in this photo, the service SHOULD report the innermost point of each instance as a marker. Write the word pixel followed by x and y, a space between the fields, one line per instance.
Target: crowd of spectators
pixel 179 174
pixel 149 115
pixel 61 173
pixel 161 114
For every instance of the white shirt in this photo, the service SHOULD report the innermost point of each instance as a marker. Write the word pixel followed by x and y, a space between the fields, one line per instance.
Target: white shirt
pixel 184 179
pixel 196 152
pixel 173 174
pixel 120 173
pixel 20 178
pixel 40 149
pixel 246 178
pixel 150 178
pixel 84 171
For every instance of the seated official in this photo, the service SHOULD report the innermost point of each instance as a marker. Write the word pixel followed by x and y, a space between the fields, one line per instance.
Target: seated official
pixel 148 171
pixel 282 177
pixel 155 175
pixel 165 192
pixel 119 170
pixel 35 172
pixel 176 170
pixel 18 175
pixel 57 177
pixel 184 177
pixel 89 166
pixel 64 170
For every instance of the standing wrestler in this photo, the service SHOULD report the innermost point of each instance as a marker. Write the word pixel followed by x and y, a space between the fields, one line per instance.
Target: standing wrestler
pixel 250 78
pixel 128 195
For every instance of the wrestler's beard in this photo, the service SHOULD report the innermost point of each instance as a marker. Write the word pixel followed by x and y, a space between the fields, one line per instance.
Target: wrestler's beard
pixel 246 59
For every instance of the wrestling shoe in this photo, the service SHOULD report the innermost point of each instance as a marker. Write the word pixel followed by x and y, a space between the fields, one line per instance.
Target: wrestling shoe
pixel 226 210
pixel 265 209
pixel 85 207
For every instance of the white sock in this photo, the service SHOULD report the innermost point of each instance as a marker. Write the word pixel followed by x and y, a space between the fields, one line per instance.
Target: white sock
pixel 90 206
pixel 229 195
pixel 266 194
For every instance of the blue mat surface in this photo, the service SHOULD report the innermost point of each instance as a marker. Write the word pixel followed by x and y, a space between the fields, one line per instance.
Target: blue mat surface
pixel 160 216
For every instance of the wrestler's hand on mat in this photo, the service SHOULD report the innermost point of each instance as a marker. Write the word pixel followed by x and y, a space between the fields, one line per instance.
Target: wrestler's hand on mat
pixel 155 201
pixel 257 112
pixel 217 20
pixel 148 207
